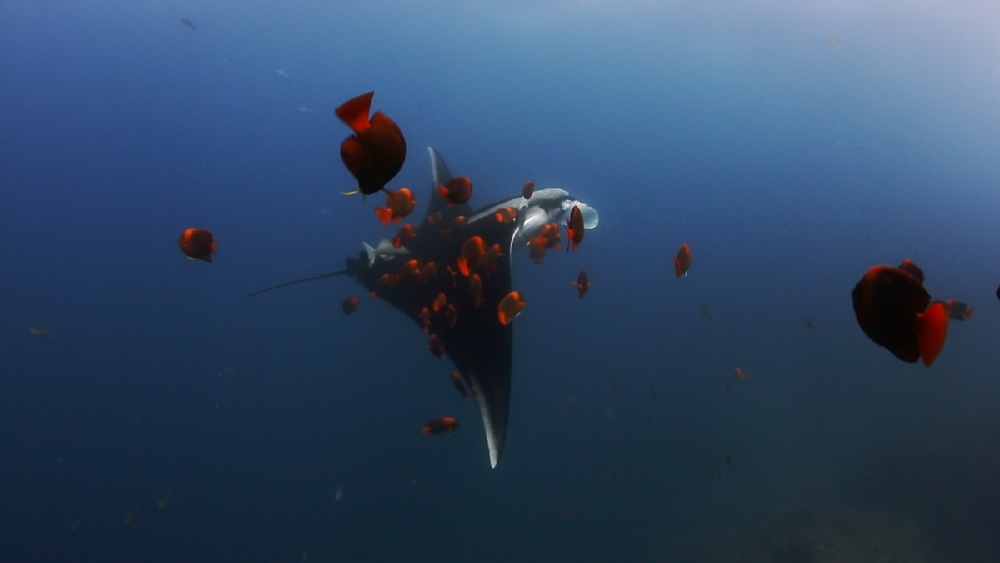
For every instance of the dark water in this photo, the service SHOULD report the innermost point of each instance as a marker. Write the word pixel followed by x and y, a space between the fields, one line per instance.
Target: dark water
pixel 792 149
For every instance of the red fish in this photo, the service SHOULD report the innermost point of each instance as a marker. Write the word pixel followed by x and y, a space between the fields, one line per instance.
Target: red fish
pixel 456 380
pixel 427 272
pixel 457 224
pixel 476 289
pixel 528 189
pixel 894 311
pixel 197 244
pixel 582 283
pixel 548 237
pixel 398 205
pixel 473 252
pixel 403 235
pixel 440 426
pixel 425 319
pixel 739 374
pixel 436 346
pixel 376 151
pixel 506 215
pixel 510 307
pixel 350 304
pixel 440 302
pixel 574 228
pixel 682 262
pixel 457 191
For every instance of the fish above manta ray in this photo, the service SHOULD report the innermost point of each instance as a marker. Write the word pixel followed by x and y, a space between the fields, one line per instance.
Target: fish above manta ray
pixel 466 327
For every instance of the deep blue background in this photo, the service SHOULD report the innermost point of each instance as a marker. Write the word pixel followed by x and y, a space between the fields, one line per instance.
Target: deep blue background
pixel 789 163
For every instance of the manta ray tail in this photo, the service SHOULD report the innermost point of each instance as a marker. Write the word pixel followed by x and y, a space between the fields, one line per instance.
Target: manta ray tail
pixel 303 280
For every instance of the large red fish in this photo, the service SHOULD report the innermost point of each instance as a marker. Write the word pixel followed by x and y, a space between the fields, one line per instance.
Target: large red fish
pixel 894 310
pixel 376 151
pixel 197 244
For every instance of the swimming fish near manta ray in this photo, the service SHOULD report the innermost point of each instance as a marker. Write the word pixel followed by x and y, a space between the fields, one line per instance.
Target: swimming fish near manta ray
pixel 468 329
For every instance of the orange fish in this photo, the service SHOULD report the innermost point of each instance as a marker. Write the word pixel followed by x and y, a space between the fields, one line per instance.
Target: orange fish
pixel 409 269
pixel 197 244
pixel 510 307
pixel 425 319
pixel 350 304
pixel 436 346
pixel 403 235
pixel 440 302
pixel 398 205
pixel 894 311
pixel 376 151
pixel 582 283
pixel 739 374
pixel 434 217
pixel 528 189
pixel 427 272
pixel 457 224
pixel 456 380
pixel 548 237
pixel 682 262
pixel 506 215
pixel 574 228
pixel 440 426
pixel 476 289
pixel 457 191
pixel 473 252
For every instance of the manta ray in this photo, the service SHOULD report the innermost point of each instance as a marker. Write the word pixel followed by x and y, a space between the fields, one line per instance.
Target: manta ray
pixel 478 344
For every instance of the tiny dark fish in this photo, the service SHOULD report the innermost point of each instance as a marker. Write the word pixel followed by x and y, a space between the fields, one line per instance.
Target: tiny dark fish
pixel 582 283
pixel 456 381
pixel 445 424
pixel 809 323
pixel 682 261
pixel 350 304
pixel 187 21
pixel 705 311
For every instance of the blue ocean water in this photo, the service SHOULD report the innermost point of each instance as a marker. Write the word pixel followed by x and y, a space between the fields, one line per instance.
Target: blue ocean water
pixel 791 147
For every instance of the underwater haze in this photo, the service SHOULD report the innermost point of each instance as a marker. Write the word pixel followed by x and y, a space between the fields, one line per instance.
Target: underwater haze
pixel 150 411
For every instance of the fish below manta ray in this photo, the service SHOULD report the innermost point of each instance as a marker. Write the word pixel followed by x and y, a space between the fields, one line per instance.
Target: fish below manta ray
pixel 479 346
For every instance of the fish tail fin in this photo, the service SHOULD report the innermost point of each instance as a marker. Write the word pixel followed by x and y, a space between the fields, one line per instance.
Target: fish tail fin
pixel 932 331
pixel 355 112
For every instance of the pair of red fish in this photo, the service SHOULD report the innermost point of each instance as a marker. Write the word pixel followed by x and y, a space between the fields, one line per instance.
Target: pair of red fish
pixel 896 312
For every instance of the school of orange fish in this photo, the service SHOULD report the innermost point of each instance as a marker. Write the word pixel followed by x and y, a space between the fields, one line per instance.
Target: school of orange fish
pixel 891 305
